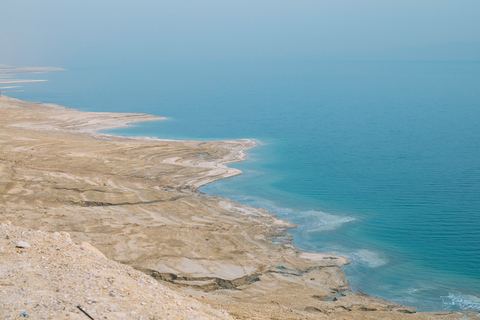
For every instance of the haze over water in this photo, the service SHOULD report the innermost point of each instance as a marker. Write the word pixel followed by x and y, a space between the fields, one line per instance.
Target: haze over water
pixel 377 161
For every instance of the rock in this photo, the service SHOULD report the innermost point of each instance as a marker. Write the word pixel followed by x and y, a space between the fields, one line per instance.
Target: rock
pixel 23 244
pixel 66 236
pixel 94 250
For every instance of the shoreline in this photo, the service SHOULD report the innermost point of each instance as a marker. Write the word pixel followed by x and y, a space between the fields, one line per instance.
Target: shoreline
pixel 136 200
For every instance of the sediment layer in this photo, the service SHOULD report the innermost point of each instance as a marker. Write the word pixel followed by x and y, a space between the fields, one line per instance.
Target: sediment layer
pixel 136 200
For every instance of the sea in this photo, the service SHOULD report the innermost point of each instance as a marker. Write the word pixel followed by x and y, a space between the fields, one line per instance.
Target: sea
pixel 376 161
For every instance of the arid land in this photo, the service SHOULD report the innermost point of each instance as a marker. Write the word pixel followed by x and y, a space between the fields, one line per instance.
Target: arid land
pixel 136 200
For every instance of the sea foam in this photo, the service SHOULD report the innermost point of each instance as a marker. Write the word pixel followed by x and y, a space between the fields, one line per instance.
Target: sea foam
pixel 309 221
pixel 461 301
pixel 368 258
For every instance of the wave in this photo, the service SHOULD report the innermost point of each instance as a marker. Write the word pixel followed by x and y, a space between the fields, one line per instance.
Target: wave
pixel 461 301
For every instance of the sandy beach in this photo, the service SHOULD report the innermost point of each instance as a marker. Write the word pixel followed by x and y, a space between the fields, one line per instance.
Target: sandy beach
pixel 136 200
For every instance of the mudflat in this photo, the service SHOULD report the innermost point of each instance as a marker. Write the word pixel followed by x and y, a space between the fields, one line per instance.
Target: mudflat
pixel 136 200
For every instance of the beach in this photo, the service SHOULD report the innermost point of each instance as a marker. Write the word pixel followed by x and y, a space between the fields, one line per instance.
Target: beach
pixel 136 200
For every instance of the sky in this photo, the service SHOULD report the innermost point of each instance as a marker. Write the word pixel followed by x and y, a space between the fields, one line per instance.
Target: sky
pixel 85 32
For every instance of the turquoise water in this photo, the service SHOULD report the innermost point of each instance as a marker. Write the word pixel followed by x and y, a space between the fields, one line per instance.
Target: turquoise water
pixel 378 161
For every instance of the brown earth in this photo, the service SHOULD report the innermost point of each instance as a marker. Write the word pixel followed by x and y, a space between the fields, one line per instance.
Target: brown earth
pixel 136 200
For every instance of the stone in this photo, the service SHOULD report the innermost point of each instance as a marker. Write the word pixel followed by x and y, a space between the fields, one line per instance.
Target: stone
pixel 23 244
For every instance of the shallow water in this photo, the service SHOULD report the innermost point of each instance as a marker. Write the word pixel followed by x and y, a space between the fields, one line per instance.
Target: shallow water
pixel 377 161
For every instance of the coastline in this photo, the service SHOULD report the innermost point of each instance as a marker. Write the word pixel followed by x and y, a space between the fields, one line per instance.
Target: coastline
pixel 136 200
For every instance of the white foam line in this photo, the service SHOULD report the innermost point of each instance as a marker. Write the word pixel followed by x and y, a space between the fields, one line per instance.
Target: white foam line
pixel 19 81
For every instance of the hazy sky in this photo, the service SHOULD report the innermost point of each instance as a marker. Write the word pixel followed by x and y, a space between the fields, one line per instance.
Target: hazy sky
pixel 83 32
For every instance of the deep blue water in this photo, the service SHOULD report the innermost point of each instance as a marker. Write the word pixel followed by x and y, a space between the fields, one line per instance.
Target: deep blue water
pixel 378 161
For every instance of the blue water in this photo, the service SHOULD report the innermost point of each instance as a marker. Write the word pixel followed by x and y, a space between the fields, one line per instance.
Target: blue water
pixel 377 161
